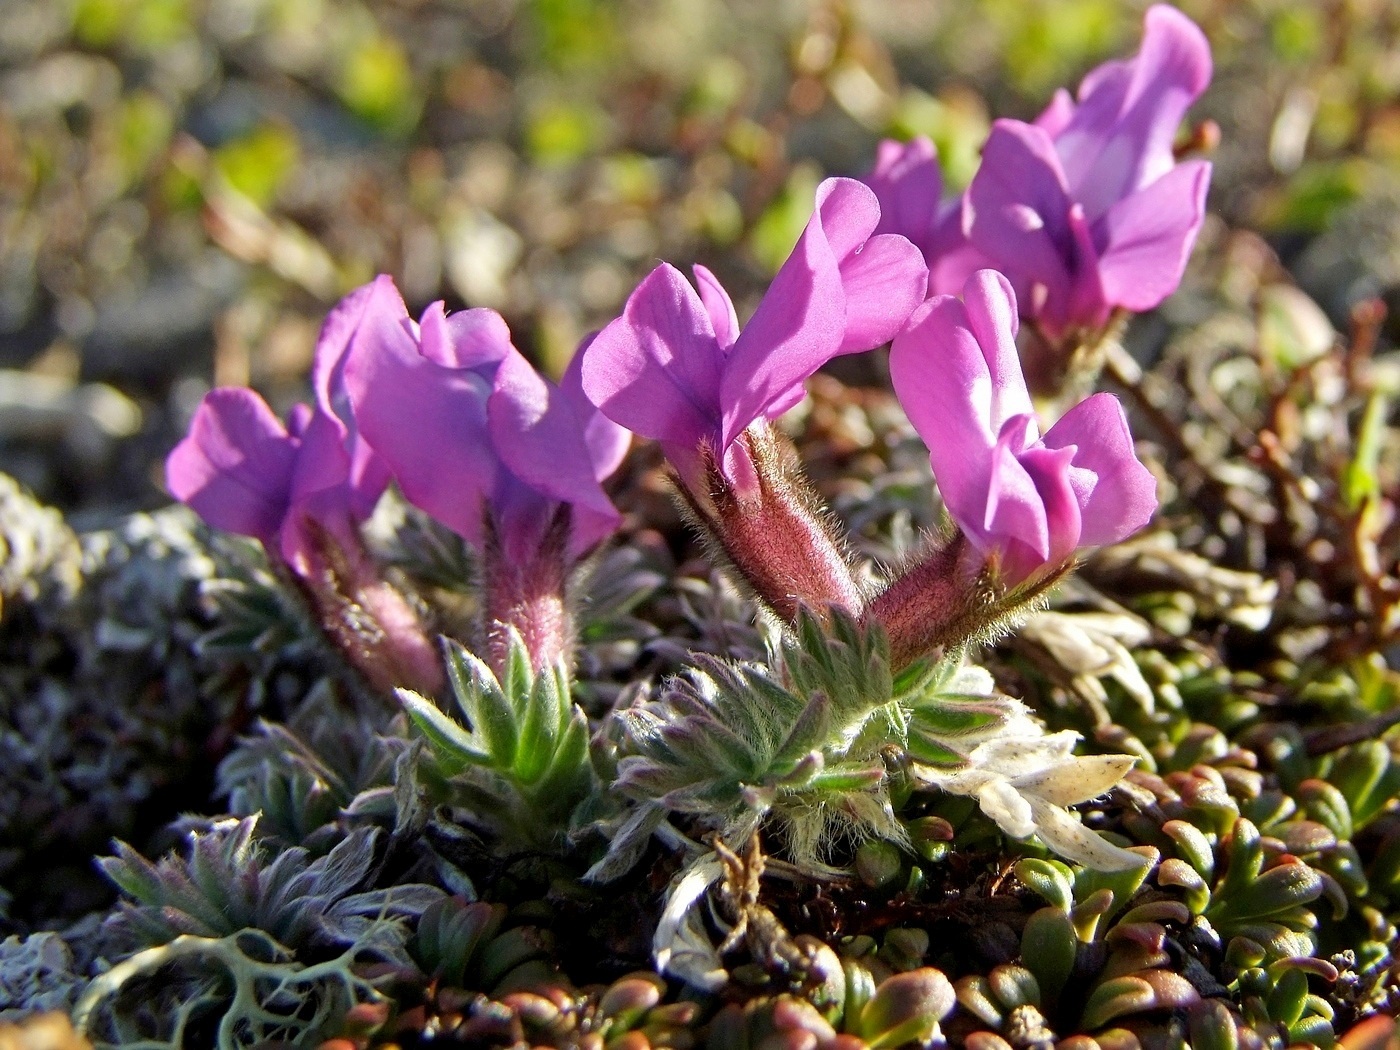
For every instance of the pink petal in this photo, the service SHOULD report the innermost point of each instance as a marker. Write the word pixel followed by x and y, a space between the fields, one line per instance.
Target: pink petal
pixel 951 257
pixel 656 369
pixel 331 345
pixel 800 324
pixel 990 306
pixel 786 402
pixel 847 213
pixel 908 185
pixel 941 377
pixel 320 492
pixel 883 283
pixel 1050 469
pixel 1123 495
pixel 234 469
pixel 1083 302
pixel 1120 137
pixel 428 423
pixel 368 477
pixel 1147 237
pixel 718 305
pixel 1014 511
pixel 1017 207
pixel 606 441
pixel 1057 114
pixel 467 339
pixel 540 439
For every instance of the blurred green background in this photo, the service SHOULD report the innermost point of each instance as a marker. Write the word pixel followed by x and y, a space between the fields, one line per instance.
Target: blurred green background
pixel 187 185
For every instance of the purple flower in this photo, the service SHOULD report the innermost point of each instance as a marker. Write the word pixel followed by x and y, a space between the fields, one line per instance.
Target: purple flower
pixel 908 185
pixel 1028 501
pixel 472 433
pixel 676 367
pixel 478 439
pixel 241 470
pixel 303 490
pixel 1087 209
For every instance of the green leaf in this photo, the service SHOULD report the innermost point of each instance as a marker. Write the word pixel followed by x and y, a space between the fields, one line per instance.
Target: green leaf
pixel 1360 481
pixel 1271 894
pixel 839 779
pixel 453 746
pixel 955 718
pixel 932 752
pixel 1051 879
pixel 809 733
pixel 491 715
pixel 566 779
pixel 1122 884
pixel 539 729
pixel 1048 947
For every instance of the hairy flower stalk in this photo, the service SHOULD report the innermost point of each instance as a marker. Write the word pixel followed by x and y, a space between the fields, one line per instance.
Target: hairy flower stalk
pixel 527 596
pixel 676 367
pixel 777 535
pixel 478 439
pixel 934 602
pixel 369 620
pixel 303 490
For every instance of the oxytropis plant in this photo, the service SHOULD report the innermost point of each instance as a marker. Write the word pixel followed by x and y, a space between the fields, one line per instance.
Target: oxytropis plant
pixel 866 715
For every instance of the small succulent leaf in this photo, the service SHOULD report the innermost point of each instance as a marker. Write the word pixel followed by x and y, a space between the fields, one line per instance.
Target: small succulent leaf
pixel 1089 912
pixel 1121 882
pixel 1015 986
pixel 1327 805
pixel 1115 998
pixel 1357 775
pixel 906 1008
pixel 1212 1026
pixel 1272 893
pixel 1048 949
pixel 1246 855
pixel 975 996
pixel 1288 997
pixel 1312 1031
pixel 509 949
pixel 1049 880
pixel 454 747
pixel 1192 846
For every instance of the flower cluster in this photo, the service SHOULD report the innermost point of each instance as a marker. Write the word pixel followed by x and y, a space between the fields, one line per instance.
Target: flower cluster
pixel 1083 213
pixel 1086 210
pixel 452 412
